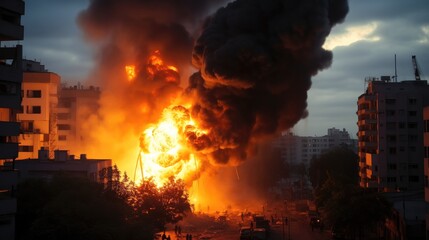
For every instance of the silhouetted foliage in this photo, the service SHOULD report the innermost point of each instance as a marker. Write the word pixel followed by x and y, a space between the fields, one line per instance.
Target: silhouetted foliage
pixel 159 206
pixel 350 207
pixel 76 208
pixel 339 163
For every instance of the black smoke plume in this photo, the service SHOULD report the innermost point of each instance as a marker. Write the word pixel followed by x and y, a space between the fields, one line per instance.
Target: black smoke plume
pixel 255 60
pixel 128 32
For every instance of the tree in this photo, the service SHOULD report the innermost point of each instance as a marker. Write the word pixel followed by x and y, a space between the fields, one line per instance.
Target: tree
pixel 339 163
pixel 350 207
pixel 158 207
pixel 74 208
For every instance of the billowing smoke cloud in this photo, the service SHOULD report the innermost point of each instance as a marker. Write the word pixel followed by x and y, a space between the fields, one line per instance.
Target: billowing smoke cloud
pixel 256 59
pixel 128 32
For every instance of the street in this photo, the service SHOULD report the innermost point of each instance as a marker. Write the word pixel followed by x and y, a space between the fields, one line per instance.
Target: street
pixel 208 227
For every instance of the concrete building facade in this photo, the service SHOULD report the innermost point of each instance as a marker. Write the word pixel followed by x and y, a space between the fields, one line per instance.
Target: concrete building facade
pixel 390 134
pixel 44 167
pixel 426 162
pixel 300 150
pixel 76 105
pixel 38 117
pixel 11 31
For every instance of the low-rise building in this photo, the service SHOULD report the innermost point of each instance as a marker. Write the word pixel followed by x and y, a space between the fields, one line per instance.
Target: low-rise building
pixel 44 167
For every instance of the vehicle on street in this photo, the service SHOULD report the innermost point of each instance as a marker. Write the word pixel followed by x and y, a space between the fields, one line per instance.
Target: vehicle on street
pixel 259 234
pixel 246 233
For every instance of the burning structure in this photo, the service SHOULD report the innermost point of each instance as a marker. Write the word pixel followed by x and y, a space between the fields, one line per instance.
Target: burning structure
pixel 252 61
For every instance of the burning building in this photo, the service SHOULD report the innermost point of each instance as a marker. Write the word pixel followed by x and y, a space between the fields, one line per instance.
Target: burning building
pixel 252 61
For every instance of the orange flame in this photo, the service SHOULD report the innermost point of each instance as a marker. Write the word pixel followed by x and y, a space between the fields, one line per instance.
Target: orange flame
pixel 165 151
pixel 130 70
pixel 156 64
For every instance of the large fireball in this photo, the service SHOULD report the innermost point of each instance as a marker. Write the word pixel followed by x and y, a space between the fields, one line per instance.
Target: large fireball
pixel 165 149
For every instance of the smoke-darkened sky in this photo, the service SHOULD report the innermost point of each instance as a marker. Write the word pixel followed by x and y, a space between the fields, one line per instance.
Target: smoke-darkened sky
pixel 364 45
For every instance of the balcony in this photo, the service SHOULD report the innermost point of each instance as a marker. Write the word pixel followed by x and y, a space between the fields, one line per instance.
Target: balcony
pixel 9 129
pixel 8 150
pixel 11 72
pixel 367 133
pixel 10 19
pixel 14 6
pixel 11 32
pixel 10 101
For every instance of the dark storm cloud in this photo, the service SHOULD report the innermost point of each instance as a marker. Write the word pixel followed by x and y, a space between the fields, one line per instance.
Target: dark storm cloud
pixel 52 37
pixel 256 60
pixel 362 11
pixel 399 31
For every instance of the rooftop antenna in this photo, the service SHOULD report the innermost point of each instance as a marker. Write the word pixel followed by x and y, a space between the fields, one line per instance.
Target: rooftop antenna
pixel 396 73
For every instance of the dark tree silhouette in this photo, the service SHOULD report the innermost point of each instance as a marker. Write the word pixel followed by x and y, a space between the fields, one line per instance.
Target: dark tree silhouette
pixel 75 208
pixel 339 163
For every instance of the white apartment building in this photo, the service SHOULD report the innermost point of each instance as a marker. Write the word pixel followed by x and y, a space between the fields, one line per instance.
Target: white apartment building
pixel 11 31
pixel 38 115
pixel 300 150
pixel 76 104
pixel 390 134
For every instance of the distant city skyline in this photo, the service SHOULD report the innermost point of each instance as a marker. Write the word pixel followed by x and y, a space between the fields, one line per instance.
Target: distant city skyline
pixel 364 45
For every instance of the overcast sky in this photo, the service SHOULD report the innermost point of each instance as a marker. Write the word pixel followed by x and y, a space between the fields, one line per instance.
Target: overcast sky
pixel 364 45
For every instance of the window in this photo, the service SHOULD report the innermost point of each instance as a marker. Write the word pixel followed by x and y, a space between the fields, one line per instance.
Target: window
pixel 62 137
pixel 25 148
pixel 390 112
pixel 27 126
pixel 412 113
pixel 426 125
pixel 413 166
pixel 391 125
pixel 412 125
pixel 392 150
pixel 34 109
pixel 34 93
pixel 391 179
pixel 413 178
pixel 391 138
pixel 63 127
pixel 412 138
pixel 392 166
pixel 390 101
pixel 426 152
pixel 8 88
pixel 412 148
pixel 64 116
pixel 412 101
pixel 401 125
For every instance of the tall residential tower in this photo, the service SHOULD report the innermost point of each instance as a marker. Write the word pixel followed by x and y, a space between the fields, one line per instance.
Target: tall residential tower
pixel 390 135
pixel 11 31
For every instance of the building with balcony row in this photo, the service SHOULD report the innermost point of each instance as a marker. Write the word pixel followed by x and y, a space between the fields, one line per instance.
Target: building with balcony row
pixel 11 31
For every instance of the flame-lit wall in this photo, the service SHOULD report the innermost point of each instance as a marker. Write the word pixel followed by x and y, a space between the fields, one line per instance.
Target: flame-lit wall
pixel 38 117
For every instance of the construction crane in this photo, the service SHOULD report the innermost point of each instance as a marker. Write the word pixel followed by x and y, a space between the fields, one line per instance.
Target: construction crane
pixel 416 68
